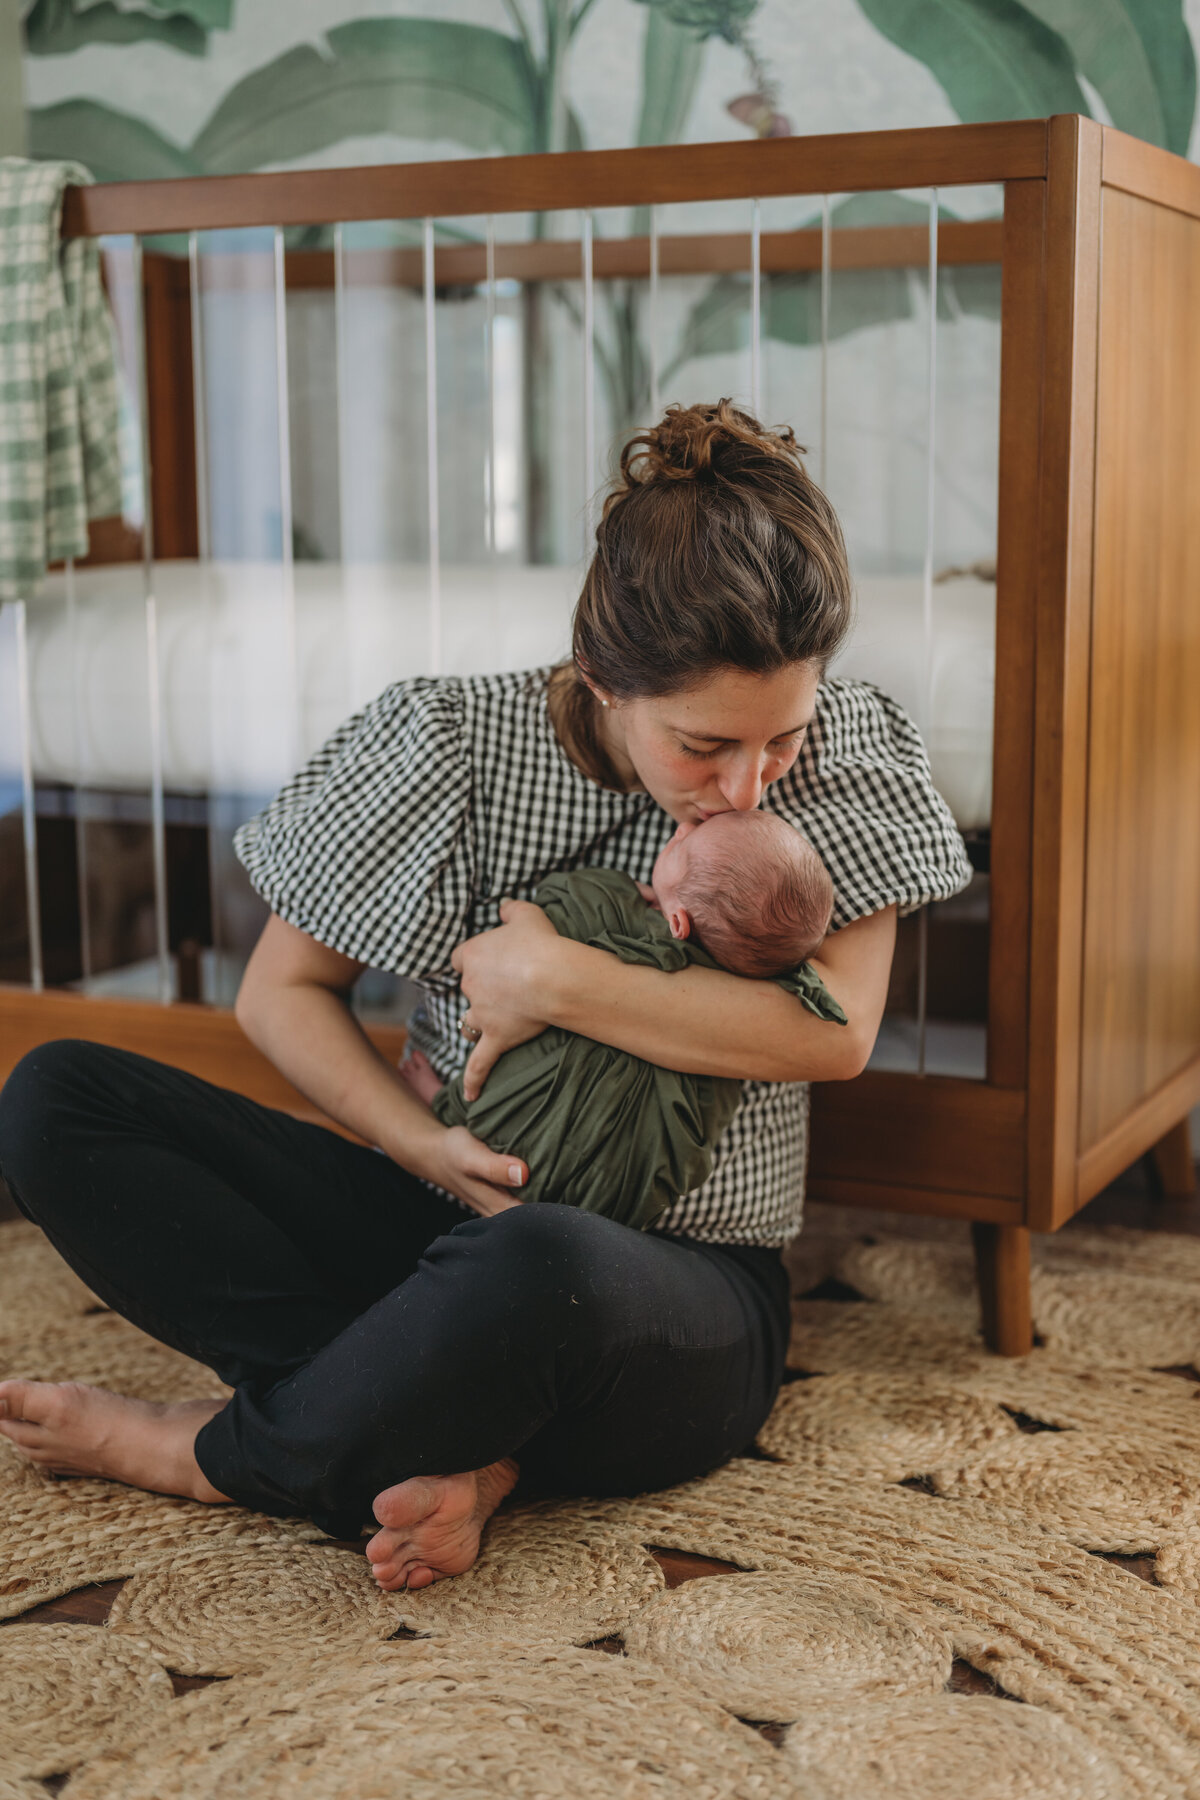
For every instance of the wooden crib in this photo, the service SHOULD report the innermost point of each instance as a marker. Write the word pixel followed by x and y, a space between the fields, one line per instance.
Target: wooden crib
pixel 1089 967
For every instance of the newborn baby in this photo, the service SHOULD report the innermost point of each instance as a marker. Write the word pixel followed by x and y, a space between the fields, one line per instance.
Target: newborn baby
pixel 746 885
pixel 598 1127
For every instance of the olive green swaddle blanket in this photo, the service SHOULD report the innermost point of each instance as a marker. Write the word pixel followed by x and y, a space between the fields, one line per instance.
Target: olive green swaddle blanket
pixel 599 1128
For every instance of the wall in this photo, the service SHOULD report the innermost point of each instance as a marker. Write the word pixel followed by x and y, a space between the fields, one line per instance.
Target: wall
pixel 227 85
pixel 337 81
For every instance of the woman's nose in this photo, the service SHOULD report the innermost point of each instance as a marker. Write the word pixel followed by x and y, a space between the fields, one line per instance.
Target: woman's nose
pixel 742 786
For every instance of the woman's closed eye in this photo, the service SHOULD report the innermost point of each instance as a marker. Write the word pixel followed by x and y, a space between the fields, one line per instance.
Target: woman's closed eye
pixel 780 746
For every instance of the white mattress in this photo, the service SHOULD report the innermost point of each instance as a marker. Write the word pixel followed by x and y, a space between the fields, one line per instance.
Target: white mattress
pixel 245 695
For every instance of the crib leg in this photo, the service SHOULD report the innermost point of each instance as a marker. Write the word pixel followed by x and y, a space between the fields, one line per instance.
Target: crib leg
pixel 1002 1269
pixel 1172 1157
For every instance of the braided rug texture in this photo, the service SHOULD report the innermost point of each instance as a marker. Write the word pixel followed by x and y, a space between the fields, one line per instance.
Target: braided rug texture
pixel 774 1646
pixel 423 1721
pixel 853 1594
pixel 59 1535
pixel 533 1581
pixel 13 1787
pixel 114 1686
pixel 105 1350
pixel 1083 1282
pixel 893 1426
pixel 224 1609
pixel 37 1289
pixel 943 1748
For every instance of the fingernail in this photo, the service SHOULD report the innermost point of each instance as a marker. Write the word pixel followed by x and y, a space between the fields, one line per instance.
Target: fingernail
pixel 515 1175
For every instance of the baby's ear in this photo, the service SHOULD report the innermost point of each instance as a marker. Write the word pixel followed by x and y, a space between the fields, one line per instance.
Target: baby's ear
pixel 680 923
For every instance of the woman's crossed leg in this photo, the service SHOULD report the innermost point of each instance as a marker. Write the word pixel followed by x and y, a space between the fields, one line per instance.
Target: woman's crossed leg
pixel 386 1353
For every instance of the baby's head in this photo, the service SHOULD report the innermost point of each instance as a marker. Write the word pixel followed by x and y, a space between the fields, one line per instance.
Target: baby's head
pixel 749 888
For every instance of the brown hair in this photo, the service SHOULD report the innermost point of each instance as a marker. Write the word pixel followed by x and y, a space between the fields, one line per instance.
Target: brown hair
pixel 715 550
pixel 761 900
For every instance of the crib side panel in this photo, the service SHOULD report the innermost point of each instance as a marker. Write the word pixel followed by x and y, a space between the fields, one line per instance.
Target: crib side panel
pixel 203 1040
pixel 1140 1013
pixel 1023 328
pixel 1062 625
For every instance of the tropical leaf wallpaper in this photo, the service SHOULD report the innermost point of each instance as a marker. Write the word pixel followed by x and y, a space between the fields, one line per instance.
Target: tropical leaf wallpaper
pixel 140 89
pixel 152 87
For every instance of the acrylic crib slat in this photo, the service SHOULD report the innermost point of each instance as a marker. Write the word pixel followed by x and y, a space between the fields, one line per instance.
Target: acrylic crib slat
pixel 965 243
pixel 755 308
pixel 200 435
pixel 429 301
pixel 826 268
pixel 158 828
pixel 33 899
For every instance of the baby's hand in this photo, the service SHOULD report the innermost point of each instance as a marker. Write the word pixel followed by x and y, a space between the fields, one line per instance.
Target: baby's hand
pixel 418 1073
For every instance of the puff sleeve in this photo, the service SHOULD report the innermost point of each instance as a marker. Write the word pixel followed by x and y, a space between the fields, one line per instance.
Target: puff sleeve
pixel 368 847
pixel 862 793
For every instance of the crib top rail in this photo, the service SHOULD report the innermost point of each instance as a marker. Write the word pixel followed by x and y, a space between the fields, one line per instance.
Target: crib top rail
pixel 842 162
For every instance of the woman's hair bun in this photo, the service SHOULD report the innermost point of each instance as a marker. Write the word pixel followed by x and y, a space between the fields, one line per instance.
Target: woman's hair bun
pixel 701 443
pixel 716 550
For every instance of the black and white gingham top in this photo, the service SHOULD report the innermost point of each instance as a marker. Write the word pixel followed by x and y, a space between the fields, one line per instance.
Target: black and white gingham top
pixel 407 828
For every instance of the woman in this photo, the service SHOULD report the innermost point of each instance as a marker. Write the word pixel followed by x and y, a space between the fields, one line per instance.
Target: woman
pixel 401 1334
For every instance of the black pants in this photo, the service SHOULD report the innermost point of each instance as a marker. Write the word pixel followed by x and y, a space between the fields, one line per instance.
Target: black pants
pixel 371 1329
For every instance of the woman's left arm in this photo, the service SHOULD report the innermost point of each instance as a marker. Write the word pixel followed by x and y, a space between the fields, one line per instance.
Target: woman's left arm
pixel 523 976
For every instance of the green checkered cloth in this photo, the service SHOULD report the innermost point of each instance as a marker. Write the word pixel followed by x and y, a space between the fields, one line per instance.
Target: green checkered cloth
pixel 60 459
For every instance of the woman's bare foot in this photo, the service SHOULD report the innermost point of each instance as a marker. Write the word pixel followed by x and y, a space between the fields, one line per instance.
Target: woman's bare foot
pixel 68 1429
pixel 432 1524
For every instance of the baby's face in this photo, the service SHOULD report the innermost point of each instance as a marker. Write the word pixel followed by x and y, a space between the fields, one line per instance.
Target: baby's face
pixel 674 863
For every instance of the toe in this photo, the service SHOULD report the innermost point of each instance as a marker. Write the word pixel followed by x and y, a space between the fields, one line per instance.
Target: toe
pixel 45 1403
pixel 392 1576
pixel 13 1399
pixel 395 1569
pixel 407 1502
pixel 22 1433
pixel 384 1546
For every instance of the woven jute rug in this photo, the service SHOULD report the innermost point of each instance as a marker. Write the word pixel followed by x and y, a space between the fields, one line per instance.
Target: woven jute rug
pixel 427 1720
pixel 114 1686
pixel 916 1518
pixel 944 1748
pixel 37 1289
pixel 536 1579
pixel 775 1646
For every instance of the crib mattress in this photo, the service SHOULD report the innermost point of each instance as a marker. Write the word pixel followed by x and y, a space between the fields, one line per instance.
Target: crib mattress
pixel 256 668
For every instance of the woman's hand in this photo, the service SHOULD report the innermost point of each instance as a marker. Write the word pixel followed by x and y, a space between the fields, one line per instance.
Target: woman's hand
pixel 483 1178
pixel 499 971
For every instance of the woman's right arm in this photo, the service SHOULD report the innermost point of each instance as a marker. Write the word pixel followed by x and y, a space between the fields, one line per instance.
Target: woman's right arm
pixel 293 1005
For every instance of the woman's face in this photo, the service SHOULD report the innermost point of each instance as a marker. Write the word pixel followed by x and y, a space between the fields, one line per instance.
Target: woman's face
pixel 712 748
